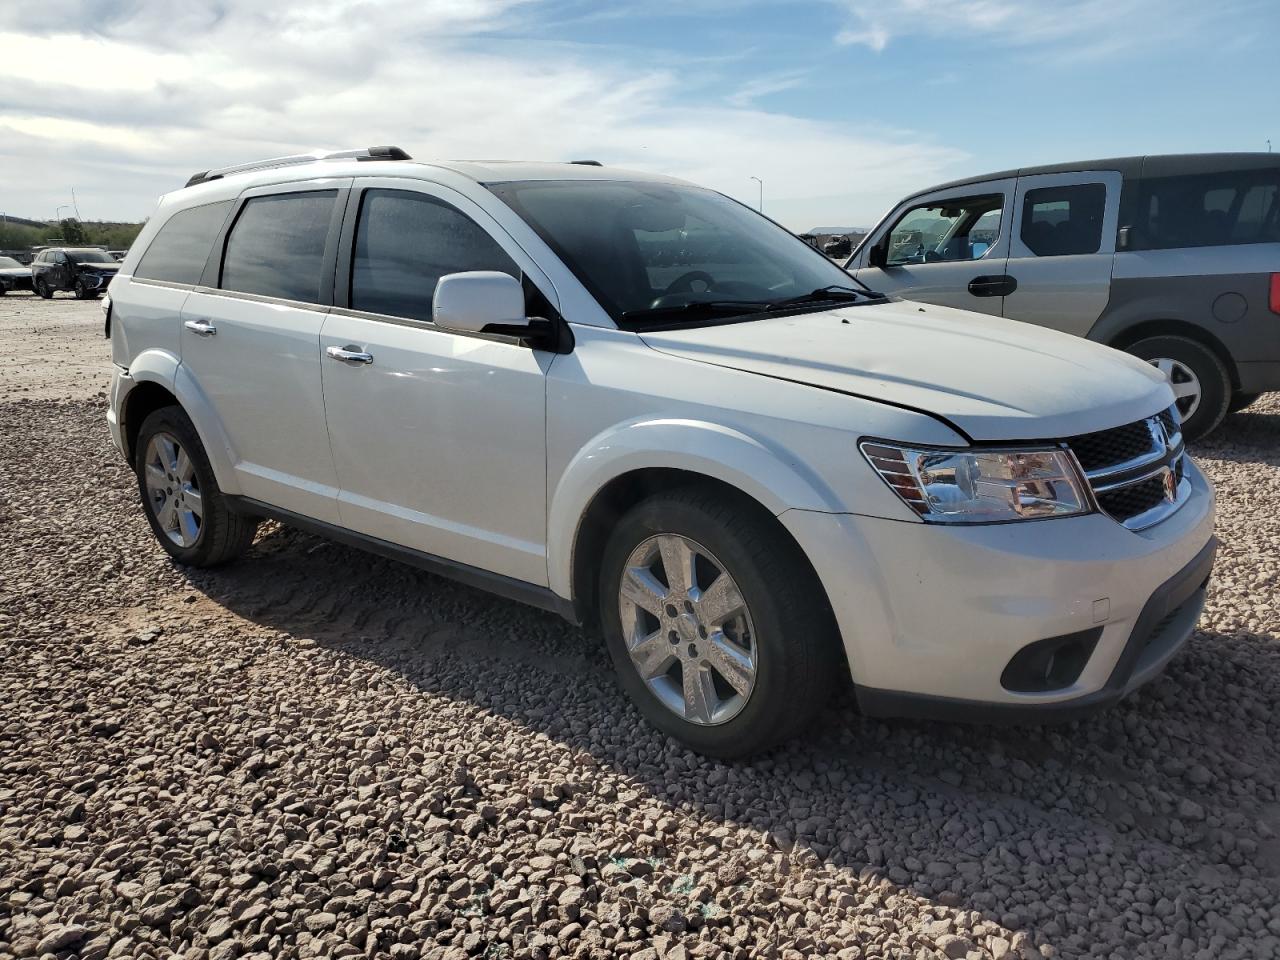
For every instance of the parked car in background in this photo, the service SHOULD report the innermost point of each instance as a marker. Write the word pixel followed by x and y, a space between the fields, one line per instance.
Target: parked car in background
pixel 1175 259
pixel 86 271
pixel 13 276
pixel 837 247
pixel 750 473
pixel 118 255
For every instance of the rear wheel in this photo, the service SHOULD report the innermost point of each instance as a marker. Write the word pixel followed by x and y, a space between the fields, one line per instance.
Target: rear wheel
pixel 1199 379
pixel 715 622
pixel 188 514
pixel 1241 400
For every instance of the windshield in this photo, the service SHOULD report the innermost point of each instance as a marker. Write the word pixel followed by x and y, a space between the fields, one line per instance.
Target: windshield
pixel 655 252
pixel 8 262
pixel 90 256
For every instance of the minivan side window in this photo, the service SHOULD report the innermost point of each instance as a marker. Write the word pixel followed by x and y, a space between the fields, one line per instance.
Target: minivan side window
pixel 179 250
pixel 1061 221
pixel 276 247
pixel 405 242
pixel 1208 209
pixel 946 230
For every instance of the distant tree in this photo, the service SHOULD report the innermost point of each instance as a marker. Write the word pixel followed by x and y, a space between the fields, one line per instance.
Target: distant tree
pixel 73 232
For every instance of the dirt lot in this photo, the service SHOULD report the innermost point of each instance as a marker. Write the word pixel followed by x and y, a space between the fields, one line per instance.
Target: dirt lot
pixel 319 753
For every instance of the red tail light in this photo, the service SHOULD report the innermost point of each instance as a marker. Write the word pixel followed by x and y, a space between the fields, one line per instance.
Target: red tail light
pixel 1275 293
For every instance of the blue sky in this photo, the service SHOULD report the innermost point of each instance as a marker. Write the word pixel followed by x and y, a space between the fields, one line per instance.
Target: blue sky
pixel 840 106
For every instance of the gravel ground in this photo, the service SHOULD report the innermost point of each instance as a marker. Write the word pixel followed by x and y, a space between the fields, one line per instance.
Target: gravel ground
pixel 316 753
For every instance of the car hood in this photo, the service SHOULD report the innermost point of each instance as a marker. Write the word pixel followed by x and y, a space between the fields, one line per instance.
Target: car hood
pixel 995 379
pixel 101 267
pixel 15 271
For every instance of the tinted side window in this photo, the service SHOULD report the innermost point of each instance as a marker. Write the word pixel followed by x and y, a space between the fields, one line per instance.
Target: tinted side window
pixel 945 230
pixel 179 251
pixel 405 242
pixel 1209 209
pixel 1060 221
pixel 277 246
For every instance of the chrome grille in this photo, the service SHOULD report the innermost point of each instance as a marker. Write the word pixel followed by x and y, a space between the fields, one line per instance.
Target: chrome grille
pixel 1136 471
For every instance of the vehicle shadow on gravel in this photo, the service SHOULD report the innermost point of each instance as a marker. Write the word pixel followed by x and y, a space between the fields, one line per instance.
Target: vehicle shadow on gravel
pixel 1250 436
pixel 1031 826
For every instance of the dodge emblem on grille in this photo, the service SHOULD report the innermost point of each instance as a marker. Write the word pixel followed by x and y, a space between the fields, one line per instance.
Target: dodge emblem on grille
pixel 1170 486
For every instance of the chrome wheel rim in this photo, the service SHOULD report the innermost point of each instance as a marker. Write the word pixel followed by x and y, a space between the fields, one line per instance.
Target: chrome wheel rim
pixel 687 629
pixel 173 490
pixel 1186 385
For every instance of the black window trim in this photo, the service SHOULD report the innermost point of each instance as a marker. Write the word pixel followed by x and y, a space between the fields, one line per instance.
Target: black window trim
pixel 345 256
pixel 211 280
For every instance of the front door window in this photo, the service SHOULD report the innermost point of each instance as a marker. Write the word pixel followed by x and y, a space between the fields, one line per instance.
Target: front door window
pixel 945 231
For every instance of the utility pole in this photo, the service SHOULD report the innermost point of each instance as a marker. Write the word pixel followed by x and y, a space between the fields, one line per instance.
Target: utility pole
pixel 760 203
pixel 74 206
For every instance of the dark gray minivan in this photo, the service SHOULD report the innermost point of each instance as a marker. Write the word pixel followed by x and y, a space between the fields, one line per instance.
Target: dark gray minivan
pixel 1175 259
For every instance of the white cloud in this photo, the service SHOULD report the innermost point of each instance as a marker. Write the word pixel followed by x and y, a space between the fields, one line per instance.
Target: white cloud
pixel 157 92
pixel 1073 29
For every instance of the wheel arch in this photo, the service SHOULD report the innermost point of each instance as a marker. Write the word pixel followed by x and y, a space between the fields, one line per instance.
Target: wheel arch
pixel 633 461
pixel 1126 336
pixel 160 380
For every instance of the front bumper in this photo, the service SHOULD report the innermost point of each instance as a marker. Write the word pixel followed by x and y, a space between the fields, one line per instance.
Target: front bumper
pixel 932 615
pixel 96 281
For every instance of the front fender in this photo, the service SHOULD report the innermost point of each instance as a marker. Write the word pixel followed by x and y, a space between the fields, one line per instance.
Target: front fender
pixel 165 370
pixel 769 474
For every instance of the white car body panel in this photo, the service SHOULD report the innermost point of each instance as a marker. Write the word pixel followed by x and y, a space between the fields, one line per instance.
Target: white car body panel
pixel 995 379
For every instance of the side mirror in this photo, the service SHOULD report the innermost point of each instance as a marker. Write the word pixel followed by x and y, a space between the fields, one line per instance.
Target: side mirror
pixel 878 256
pixel 469 302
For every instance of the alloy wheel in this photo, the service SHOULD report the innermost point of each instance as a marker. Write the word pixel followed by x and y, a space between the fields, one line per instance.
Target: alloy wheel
pixel 173 490
pixel 687 629
pixel 1186 385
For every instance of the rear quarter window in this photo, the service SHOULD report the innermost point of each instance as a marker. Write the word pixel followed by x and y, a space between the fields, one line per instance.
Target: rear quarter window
pixel 181 247
pixel 1209 209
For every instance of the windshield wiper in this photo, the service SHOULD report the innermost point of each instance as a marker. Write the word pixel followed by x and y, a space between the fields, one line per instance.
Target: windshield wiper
pixel 698 308
pixel 822 295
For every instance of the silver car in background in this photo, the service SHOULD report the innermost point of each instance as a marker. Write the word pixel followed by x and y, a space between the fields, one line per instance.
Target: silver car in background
pixel 1175 259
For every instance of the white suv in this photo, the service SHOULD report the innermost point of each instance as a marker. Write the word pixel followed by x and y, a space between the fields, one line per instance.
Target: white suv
pixel 643 405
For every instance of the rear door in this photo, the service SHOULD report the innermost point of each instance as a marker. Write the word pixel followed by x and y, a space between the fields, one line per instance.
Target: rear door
pixel 948 248
pixel 251 341
pixel 1061 249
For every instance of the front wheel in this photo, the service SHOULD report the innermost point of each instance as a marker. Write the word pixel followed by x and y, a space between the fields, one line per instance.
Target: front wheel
pixel 1200 381
pixel 188 514
pixel 43 289
pixel 716 623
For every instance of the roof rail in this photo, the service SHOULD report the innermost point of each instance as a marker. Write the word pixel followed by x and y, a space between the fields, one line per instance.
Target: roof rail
pixel 361 153
pixel 587 163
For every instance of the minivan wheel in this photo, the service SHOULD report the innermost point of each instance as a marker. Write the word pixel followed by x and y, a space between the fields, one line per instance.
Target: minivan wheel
pixel 1200 382
pixel 42 288
pixel 188 513
pixel 715 622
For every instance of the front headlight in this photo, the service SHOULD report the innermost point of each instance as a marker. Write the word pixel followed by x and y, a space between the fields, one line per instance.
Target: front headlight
pixel 981 486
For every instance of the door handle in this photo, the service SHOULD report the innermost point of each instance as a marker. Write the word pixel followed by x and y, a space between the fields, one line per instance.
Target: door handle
pixel 349 354
pixel 996 286
pixel 201 328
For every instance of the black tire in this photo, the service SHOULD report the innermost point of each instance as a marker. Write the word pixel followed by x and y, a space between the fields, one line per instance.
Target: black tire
pixel 42 288
pixel 1208 368
pixel 223 534
pixel 81 291
pixel 1241 400
pixel 796 643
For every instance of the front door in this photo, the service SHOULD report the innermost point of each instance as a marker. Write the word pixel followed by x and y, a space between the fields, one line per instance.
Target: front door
pixel 947 248
pixel 1061 249
pixel 251 344
pixel 439 438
